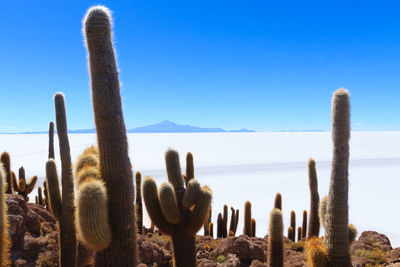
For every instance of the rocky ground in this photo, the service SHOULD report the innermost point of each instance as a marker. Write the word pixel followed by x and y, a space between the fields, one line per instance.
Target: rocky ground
pixel 33 231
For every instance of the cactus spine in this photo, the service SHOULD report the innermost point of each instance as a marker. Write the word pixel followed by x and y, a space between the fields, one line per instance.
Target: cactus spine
pixel 22 187
pixel 115 165
pixel 171 216
pixel 247 218
pixel 51 141
pixel 336 231
pixel 313 228
pixel 5 159
pixel 5 243
pixel 316 253
pixel 278 201
pixel 139 205
pixel 63 205
pixel 275 239
pixel 304 225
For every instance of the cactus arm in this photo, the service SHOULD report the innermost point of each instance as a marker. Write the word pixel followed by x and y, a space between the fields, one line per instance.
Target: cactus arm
pixel 92 215
pixel 152 202
pixel 5 243
pixel 189 168
pixel 174 173
pixel 278 201
pixel 191 194
pixel 31 185
pixel 51 141
pixel 53 188
pixel 14 182
pixel 168 204
pixel 322 211
pixel 199 214
pixel 22 186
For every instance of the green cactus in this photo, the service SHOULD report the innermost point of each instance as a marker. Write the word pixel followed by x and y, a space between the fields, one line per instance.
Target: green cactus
pixel 293 224
pixel 5 243
pixel 91 213
pixel 115 166
pixel 51 141
pixel 247 218
pixel 278 201
pixel 275 239
pixel 5 159
pixel 62 205
pixel 139 205
pixel 171 216
pixel 314 225
pixel 304 225
pixel 253 227
pixel 291 233
pixel 336 230
pixel 322 211
pixel 299 233
pixel 23 188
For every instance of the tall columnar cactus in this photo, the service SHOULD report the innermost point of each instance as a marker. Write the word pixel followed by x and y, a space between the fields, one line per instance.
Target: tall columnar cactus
pixel 40 196
pixel 225 218
pixel 304 225
pixel 236 220
pixel 62 205
pixel 5 159
pixel 207 223
pixel 293 223
pixel 336 231
pixel 115 165
pixel 313 228
pixel 247 218
pixel 233 222
pixel 211 229
pixel 275 239
pixel 220 226
pixel 22 187
pixel 253 227
pixel 139 205
pixel 51 141
pixel 91 202
pixel 322 211
pixel 5 243
pixel 172 212
pixel 278 201
pixel 299 233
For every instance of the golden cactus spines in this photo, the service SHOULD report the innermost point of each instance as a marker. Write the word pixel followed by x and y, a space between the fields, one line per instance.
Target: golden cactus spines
pixel 275 239
pixel 317 255
pixel 5 243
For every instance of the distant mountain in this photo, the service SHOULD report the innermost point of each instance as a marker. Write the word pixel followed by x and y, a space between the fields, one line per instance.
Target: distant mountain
pixel 172 127
pixel 162 127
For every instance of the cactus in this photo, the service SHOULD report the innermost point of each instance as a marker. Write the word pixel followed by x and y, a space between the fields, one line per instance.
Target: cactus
pixel 91 202
pixel 275 239
pixel 291 234
pixel 322 211
pixel 316 253
pixel 220 226
pixel 236 221
pixel 233 222
pixel 46 195
pixel 23 188
pixel 115 166
pixel 62 205
pixel 225 219
pixel 313 228
pixel 189 168
pixel 247 218
pixel 51 141
pixel 172 212
pixel 207 223
pixel 139 206
pixel 299 233
pixel 5 159
pixel 336 230
pixel 293 224
pixel 352 233
pixel 5 243
pixel 304 225
pixel 253 227
pixel 278 201
pixel 40 197
pixel 211 229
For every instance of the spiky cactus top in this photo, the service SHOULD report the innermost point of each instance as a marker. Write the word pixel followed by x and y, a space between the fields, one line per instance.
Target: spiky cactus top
pixel 178 211
pixel 336 230
pixel 22 187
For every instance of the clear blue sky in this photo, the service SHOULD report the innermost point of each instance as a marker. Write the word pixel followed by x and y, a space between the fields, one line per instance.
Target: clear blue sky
pixel 262 65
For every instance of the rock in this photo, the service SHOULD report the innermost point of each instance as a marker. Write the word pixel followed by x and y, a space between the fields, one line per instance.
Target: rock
pixel 361 261
pixel 257 263
pixel 150 253
pixel 20 263
pixel 376 239
pixel 230 260
pixel 395 255
pixel 242 246
pixel 293 258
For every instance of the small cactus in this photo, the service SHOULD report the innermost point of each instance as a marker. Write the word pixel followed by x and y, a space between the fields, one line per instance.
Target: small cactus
pixel 220 226
pixel 275 239
pixel 236 220
pixel 291 234
pixel 233 222
pixel 207 223
pixel 22 187
pixel 299 233
pixel 317 255
pixel 40 196
pixel 247 218
pixel 253 227
pixel 5 243
pixel 278 201
pixel 168 210
pixel 225 219
pixel 304 225
pixel 293 223
pixel 211 229
pixel 139 205
pixel 313 228
pixel 352 233
pixel 51 141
